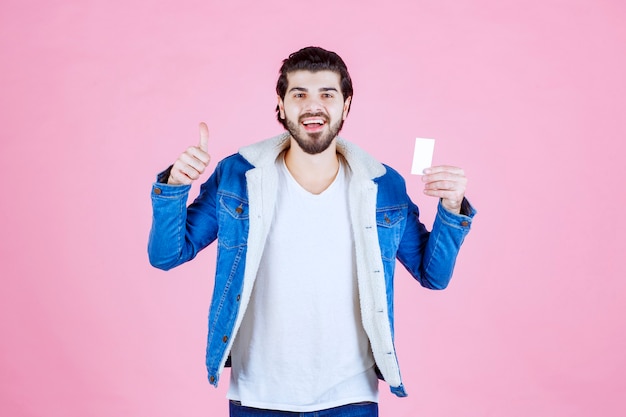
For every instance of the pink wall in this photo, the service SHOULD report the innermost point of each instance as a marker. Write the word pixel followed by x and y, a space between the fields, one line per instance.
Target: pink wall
pixel 528 97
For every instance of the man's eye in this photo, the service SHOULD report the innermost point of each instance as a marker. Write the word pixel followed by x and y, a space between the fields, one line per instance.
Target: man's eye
pixel 327 95
pixel 298 95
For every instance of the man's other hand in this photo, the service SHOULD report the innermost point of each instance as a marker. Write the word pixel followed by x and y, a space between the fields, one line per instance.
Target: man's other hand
pixel 191 163
pixel 447 183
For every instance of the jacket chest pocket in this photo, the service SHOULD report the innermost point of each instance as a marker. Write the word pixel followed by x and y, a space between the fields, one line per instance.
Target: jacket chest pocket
pixel 233 221
pixel 390 224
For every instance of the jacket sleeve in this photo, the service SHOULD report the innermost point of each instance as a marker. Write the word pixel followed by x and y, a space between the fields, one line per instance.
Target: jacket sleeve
pixel 179 232
pixel 430 256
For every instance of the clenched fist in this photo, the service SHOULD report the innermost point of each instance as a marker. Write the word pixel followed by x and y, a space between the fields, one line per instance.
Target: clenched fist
pixel 191 163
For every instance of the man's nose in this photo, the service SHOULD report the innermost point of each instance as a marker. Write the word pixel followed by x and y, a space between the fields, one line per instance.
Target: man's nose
pixel 313 105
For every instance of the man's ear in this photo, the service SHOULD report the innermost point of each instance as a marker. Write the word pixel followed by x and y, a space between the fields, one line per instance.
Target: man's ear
pixel 346 107
pixel 281 107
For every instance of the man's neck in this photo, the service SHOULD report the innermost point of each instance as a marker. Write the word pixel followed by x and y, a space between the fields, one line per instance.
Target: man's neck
pixel 316 172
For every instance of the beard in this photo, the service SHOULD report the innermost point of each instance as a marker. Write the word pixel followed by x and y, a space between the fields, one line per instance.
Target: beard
pixel 317 142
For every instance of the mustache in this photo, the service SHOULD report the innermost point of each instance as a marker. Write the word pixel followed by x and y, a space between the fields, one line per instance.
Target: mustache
pixel 309 115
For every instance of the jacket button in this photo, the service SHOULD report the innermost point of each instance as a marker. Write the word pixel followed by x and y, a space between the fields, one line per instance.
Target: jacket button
pixel 225 339
pixel 387 220
pixel 239 210
pixel 211 379
pixel 157 191
pixel 238 297
pixel 464 223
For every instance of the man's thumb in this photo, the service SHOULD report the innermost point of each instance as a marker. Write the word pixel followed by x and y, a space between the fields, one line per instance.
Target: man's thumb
pixel 204 137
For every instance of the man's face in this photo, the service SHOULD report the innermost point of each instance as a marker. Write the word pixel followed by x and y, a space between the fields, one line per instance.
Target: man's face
pixel 313 108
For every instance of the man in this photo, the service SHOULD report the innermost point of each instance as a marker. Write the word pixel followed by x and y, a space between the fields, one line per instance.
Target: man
pixel 308 227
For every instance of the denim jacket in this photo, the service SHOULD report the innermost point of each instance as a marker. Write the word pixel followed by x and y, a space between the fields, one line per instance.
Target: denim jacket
pixel 236 205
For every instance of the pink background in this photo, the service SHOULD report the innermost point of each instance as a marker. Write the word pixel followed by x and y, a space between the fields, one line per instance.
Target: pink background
pixel 529 97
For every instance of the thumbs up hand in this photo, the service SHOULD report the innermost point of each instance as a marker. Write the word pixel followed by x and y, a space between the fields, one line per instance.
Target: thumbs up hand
pixel 191 163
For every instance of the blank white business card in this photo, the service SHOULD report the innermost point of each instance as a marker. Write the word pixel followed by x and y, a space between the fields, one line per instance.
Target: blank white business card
pixel 422 155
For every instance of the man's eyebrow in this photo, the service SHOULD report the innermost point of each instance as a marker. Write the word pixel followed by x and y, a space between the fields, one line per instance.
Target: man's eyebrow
pixel 306 90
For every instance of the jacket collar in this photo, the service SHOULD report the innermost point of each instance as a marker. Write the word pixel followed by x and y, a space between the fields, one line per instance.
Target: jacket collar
pixel 362 164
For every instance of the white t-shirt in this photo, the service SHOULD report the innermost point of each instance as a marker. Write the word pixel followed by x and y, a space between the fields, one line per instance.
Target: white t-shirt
pixel 301 345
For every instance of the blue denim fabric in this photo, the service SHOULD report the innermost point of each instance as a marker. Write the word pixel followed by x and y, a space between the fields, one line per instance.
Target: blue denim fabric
pixel 222 212
pixel 366 409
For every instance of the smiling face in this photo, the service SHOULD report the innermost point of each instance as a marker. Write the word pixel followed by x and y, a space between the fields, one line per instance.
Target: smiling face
pixel 313 108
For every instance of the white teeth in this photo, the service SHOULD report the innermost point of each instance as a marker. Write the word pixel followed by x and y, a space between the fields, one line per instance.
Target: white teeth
pixel 318 121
